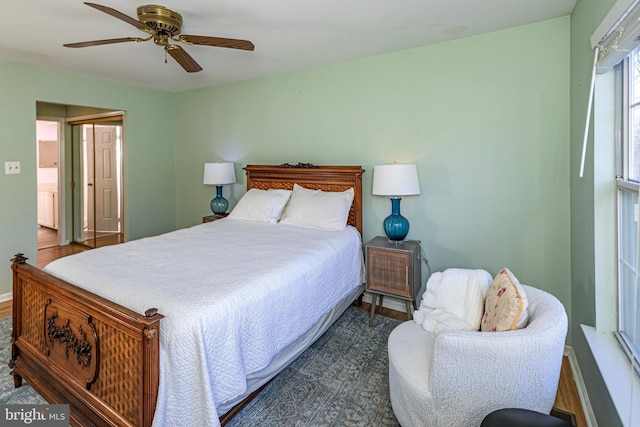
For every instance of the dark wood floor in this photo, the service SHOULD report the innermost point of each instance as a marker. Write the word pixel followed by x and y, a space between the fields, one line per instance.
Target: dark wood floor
pixel 45 256
pixel 566 406
pixel 48 238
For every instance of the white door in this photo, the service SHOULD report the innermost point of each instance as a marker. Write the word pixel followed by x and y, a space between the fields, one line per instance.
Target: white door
pixel 102 179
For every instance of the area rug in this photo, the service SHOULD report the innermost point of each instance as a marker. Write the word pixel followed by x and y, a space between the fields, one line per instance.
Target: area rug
pixel 9 394
pixel 341 380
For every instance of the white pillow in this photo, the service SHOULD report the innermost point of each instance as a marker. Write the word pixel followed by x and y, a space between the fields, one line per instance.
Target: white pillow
pixel 261 205
pixel 506 305
pixel 453 300
pixel 327 210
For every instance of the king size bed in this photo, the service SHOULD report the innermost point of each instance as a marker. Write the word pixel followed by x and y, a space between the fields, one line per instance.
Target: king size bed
pixel 182 328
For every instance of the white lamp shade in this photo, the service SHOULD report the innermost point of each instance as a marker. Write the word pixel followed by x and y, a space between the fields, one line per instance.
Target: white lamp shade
pixel 219 173
pixel 395 180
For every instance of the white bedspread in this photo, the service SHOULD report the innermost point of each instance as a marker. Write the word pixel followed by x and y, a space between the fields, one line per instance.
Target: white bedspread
pixel 233 292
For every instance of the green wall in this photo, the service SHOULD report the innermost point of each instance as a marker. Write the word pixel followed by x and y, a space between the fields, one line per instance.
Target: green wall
pixel 484 118
pixel 149 152
pixel 585 18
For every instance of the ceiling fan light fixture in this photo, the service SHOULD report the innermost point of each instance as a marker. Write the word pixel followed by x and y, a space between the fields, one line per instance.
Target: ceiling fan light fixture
pixel 161 39
pixel 160 18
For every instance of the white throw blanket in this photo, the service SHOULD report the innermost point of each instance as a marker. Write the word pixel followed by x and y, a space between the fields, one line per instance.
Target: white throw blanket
pixel 453 300
pixel 234 293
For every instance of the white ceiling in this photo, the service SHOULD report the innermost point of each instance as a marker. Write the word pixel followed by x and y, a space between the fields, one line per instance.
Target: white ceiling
pixel 288 34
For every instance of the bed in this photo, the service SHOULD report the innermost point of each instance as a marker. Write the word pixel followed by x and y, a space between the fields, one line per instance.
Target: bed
pixel 99 347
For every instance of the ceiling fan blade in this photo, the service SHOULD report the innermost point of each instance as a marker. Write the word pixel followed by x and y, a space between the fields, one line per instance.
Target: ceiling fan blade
pixel 183 58
pixel 105 41
pixel 217 41
pixel 119 15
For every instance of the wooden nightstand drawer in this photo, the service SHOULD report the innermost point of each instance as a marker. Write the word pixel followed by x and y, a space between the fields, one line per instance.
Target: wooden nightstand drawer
pixel 393 269
pixel 390 272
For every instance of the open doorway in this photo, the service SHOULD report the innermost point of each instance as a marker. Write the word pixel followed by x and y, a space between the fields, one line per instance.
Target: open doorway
pixel 48 137
pixel 98 199
pixel 80 150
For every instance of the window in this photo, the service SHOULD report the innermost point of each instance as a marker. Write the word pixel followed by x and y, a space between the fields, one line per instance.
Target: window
pixel 627 186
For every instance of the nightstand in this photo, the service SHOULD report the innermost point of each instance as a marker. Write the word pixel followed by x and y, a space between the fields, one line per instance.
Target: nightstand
pixel 211 218
pixel 392 269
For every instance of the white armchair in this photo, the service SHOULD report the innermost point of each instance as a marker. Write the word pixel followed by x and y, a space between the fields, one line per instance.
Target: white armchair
pixel 456 378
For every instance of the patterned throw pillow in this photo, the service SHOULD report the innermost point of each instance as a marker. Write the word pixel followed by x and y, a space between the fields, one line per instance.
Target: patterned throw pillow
pixel 505 308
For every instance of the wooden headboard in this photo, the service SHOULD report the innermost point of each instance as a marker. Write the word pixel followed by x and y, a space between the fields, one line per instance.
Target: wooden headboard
pixel 326 178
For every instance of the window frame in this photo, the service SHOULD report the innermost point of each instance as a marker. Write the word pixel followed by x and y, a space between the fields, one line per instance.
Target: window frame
pixel 623 111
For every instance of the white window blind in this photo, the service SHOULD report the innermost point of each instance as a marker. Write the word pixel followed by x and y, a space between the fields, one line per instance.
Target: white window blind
pixel 618 34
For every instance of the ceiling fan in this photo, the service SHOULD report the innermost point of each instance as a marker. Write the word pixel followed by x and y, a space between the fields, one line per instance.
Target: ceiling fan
pixel 164 25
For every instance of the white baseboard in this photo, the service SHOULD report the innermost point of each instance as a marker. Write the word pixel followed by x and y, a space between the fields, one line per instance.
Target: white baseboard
pixel 582 389
pixel 6 297
pixel 388 302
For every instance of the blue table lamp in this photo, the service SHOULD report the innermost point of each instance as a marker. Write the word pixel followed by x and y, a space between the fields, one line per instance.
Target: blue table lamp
pixel 219 174
pixel 395 181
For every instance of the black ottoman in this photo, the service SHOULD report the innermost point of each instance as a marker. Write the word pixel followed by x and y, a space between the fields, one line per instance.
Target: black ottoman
pixel 521 418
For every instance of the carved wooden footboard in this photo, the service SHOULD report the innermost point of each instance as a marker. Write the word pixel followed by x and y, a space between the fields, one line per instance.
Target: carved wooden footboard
pixel 74 347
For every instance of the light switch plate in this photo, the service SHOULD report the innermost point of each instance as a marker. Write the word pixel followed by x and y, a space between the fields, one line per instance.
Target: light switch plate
pixel 11 168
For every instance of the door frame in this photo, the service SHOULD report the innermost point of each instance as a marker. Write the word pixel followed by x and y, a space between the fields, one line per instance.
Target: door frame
pixel 60 206
pixel 95 119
